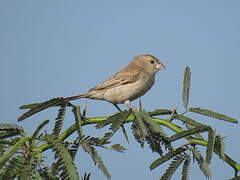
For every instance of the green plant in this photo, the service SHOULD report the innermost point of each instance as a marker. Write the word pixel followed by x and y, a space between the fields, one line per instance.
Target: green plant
pixel 22 155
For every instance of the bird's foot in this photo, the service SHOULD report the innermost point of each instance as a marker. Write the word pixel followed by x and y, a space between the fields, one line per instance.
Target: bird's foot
pixel 130 107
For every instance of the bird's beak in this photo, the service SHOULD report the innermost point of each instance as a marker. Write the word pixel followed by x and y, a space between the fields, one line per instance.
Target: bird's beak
pixel 160 66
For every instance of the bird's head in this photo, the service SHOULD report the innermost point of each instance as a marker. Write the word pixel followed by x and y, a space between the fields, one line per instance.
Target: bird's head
pixel 148 62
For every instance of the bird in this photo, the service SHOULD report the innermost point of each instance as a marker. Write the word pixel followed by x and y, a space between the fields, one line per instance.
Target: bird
pixel 128 84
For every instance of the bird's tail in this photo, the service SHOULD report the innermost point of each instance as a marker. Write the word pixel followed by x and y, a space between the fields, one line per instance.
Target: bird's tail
pixel 77 97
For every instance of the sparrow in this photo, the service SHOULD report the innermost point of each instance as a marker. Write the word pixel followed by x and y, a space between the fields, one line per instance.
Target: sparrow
pixel 130 83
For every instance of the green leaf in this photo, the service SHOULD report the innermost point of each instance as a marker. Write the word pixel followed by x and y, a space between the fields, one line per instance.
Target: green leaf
pixel 78 119
pixel 154 141
pixel 59 119
pixel 73 150
pixel 137 134
pixel 186 87
pixel 140 104
pixel 235 178
pixel 125 133
pixel 166 157
pixel 86 176
pixel 13 168
pixel 185 168
pixel 114 118
pixel 34 105
pixel 96 158
pixel 158 112
pixel 117 147
pixel 39 128
pixel 85 112
pixel 10 130
pixel 42 106
pixel 177 160
pixel 92 141
pixel 117 121
pixel 7 126
pixel 154 127
pixel 186 120
pixel 139 124
pixel 197 135
pixel 219 147
pixel 29 106
pixel 189 132
pixel 201 163
pixel 212 114
pixel 210 146
pixel 145 129
pixel 14 149
pixel 64 159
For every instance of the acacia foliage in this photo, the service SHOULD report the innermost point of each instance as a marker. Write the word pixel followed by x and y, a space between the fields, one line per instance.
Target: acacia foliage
pixel 22 156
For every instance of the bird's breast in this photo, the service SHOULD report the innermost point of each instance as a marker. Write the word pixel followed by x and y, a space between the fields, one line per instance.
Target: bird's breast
pixel 130 91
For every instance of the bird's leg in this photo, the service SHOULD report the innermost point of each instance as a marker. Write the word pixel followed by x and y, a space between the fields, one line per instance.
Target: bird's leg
pixel 128 104
pixel 115 105
pixel 122 127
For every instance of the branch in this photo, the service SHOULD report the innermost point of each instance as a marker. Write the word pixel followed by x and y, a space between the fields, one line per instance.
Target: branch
pixel 160 121
pixel 14 149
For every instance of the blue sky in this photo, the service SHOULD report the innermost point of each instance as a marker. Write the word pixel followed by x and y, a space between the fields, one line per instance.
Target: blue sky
pixel 62 48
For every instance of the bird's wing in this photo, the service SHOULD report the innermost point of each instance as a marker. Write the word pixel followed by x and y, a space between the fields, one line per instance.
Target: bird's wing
pixel 129 74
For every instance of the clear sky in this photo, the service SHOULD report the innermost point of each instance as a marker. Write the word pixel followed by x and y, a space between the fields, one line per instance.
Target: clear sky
pixel 62 48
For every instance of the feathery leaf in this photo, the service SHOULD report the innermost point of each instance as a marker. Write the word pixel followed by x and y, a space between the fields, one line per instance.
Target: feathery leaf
pixel 158 112
pixel 73 150
pixel 34 105
pixel 186 87
pixel 177 160
pixel 185 168
pixel 92 141
pixel 7 126
pixel 78 119
pixel 13 168
pixel 10 130
pixel 137 134
pixel 140 104
pixel 166 157
pixel 96 158
pixel 86 176
pixel 201 163
pixel 212 114
pixel 197 135
pixel 154 142
pixel 154 127
pixel 189 132
pixel 219 146
pixel 39 128
pixel 59 119
pixel 148 130
pixel 42 106
pixel 8 134
pixel 14 149
pixel 115 117
pixel 116 147
pixel 210 145
pixel 186 120
pixel 235 178
pixel 125 133
pixel 64 159
pixel 29 106
pixel 117 121
pixel 85 110
pixel 139 124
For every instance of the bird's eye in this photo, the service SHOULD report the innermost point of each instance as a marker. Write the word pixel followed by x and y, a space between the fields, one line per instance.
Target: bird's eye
pixel 152 62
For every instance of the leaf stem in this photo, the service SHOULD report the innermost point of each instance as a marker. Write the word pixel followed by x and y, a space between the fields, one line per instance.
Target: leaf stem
pixel 160 121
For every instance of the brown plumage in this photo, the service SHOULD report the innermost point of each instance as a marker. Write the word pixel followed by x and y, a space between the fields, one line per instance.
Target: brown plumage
pixel 128 84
